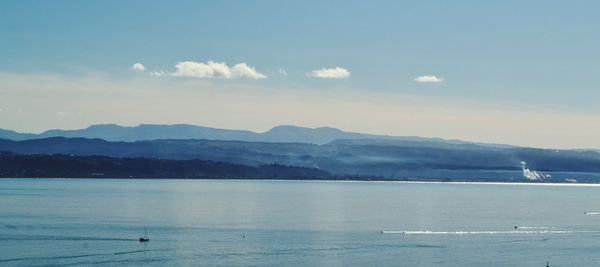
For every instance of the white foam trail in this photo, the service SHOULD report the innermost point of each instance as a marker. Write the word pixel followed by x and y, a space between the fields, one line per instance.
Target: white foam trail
pixel 534 227
pixel 591 213
pixel 486 232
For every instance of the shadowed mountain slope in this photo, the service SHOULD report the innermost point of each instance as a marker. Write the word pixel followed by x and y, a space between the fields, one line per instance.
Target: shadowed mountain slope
pixel 355 157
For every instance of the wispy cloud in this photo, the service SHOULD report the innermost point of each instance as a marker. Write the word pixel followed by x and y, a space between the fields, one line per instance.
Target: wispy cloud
pixel 282 71
pixel 158 73
pixel 138 67
pixel 330 73
pixel 212 69
pixel 429 79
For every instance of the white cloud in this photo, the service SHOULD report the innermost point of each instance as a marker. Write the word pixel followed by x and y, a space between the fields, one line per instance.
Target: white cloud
pixel 332 73
pixel 428 79
pixel 210 69
pixel 213 69
pixel 61 113
pixel 282 71
pixel 138 67
pixel 245 71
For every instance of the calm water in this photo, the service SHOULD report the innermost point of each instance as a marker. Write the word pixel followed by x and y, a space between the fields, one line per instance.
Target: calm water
pixel 50 222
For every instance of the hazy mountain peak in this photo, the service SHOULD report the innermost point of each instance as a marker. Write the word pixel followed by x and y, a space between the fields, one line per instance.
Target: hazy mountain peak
pixel 288 128
pixel 328 129
pixel 279 134
pixel 104 126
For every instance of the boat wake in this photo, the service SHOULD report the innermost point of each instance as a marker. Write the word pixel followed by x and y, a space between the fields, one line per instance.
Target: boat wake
pixel 592 213
pixel 535 227
pixel 59 238
pixel 515 232
pixel 64 257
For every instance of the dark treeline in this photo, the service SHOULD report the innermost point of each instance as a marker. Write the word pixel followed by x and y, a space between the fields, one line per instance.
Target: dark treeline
pixel 342 159
pixel 69 166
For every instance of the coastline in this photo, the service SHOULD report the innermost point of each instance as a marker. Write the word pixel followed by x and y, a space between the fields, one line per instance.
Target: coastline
pixel 415 181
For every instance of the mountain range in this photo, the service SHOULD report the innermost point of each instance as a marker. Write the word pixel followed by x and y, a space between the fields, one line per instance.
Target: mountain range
pixel 337 153
pixel 281 134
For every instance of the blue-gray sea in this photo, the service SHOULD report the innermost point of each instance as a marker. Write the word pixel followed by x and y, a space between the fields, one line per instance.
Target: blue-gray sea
pixel 82 222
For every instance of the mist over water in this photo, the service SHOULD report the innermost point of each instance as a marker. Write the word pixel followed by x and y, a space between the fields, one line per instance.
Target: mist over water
pixel 277 223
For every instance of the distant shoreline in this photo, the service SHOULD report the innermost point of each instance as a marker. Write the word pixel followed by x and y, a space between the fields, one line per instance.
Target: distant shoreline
pixel 103 167
pixel 352 159
pixel 329 181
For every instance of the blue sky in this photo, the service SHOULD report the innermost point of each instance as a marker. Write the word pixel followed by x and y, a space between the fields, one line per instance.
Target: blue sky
pixel 534 63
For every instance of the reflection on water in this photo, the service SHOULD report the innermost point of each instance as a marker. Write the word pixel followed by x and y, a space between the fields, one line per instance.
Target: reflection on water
pixel 208 222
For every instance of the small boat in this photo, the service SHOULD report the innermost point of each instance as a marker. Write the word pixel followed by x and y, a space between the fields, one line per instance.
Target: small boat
pixel 145 237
